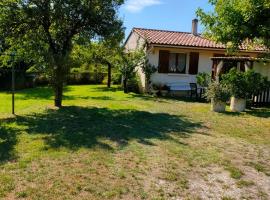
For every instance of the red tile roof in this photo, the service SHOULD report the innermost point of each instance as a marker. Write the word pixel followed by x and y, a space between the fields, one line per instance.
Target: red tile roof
pixel 175 38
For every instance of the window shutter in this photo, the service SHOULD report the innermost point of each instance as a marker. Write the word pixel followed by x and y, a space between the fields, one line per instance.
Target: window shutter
pixel 163 61
pixel 193 63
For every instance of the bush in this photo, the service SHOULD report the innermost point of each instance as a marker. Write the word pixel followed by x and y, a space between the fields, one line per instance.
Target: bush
pixel 218 92
pixel 41 80
pixel 243 85
pixel 203 79
pixel 116 78
pixel 133 85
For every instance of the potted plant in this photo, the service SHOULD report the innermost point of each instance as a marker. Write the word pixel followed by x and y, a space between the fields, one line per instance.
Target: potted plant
pixel 242 86
pixel 218 94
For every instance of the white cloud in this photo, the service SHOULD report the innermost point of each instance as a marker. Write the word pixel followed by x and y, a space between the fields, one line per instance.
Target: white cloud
pixel 138 5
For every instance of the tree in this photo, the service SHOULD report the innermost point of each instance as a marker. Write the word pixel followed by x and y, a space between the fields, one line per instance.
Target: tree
pixel 107 53
pixel 131 60
pixel 235 22
pixel 48 28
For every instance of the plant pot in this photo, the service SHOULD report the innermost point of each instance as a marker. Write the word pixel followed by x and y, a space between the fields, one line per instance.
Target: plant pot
pixel 218 106
pixel 164 92
pixel 238 105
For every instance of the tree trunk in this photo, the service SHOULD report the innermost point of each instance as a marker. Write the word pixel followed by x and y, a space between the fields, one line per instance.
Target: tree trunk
pixel 58 85
pixel 125 86
pixel 58 95
pixel 109 75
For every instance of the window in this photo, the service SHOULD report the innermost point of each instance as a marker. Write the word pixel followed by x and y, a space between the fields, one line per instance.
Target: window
pixel 177 63
pixel 172 62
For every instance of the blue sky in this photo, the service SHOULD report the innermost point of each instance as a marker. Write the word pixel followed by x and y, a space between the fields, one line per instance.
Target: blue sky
pixel 161 14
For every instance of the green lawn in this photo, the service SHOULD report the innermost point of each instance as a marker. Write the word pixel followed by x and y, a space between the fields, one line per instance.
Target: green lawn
pixel 105 144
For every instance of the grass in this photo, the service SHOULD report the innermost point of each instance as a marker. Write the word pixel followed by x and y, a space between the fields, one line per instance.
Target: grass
pixel 104 144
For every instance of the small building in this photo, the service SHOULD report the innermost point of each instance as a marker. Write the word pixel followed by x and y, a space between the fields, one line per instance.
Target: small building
pixel 180 56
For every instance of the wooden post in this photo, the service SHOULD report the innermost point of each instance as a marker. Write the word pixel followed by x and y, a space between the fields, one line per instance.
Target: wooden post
pixel 13 84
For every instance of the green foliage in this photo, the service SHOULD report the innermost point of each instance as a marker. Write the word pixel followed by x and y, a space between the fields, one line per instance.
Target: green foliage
pixel 218 92
pixel 48 29
pixel 148 70
pixel 237 83
pixel 244 84
pixel 88 56
pixel 131 60
pixel 203 79
pixel 234 172
pixel 236 21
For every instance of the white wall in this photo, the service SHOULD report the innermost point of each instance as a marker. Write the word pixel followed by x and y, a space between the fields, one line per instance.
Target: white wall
pixel 205 65
pixel 134 42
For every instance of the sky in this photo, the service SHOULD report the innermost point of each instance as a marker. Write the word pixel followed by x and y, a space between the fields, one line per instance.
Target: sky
pixel 175 15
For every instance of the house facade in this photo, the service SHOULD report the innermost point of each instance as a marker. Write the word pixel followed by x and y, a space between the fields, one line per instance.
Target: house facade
pixel 180 56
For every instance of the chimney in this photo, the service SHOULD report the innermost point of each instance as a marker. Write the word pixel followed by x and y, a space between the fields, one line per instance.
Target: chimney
pixel 194 27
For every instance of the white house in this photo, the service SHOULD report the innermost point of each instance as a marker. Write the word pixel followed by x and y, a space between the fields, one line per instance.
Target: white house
pixel 180 56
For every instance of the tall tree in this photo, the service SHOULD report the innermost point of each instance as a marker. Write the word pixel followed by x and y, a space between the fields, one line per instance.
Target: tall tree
pixel 48 27
pixel 234 22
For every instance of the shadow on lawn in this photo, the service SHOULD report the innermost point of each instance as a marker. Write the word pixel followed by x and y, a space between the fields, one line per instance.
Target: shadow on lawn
pixel 256 112
pixel 75 127
pixel 39 93
pixel 8 141
pixel 106 89
pixel 261 112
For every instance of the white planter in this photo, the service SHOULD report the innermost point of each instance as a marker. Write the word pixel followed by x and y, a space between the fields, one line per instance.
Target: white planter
pixel 218 106
pixel 238 105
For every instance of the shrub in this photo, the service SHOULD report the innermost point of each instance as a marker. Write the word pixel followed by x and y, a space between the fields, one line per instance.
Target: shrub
pixel 244 84
pixel 203 79
pixel 133 85
pixel 148 70
pixel 116 78
pixel 218 92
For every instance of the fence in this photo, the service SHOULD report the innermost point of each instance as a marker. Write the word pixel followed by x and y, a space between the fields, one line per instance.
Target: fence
pixel 261 99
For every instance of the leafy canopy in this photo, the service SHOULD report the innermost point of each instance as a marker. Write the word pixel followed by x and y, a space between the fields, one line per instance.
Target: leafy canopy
pixel 236 21
pixel 244 84
pixel 46 29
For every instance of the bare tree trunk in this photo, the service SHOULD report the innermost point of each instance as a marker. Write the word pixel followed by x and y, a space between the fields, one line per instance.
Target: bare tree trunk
pixel 125 85
pixel 109 75
pixel 58 85
pixel 58 94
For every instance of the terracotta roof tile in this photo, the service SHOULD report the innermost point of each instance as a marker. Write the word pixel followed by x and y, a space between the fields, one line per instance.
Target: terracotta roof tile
pixel 175 38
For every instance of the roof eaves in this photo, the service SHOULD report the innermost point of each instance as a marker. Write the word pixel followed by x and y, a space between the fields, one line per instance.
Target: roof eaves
pixel 200 47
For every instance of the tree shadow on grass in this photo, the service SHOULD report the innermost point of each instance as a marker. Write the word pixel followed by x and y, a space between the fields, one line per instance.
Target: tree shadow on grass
pixel 39 93
pixel 106 89
pixel 8 140
pixel 75 127
pixel 256 112
pixel 260 112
